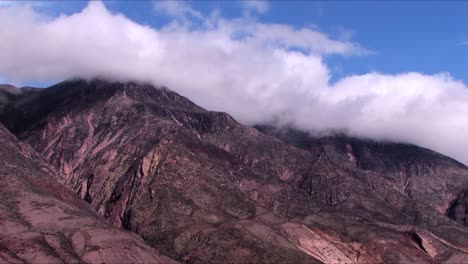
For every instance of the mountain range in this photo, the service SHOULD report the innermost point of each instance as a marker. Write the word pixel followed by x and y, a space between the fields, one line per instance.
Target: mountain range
pixel 108 171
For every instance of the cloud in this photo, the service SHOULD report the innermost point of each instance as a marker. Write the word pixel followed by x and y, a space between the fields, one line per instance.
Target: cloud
pixel 8 3
pixel 177 9
pixel 258 6
pixel 257 72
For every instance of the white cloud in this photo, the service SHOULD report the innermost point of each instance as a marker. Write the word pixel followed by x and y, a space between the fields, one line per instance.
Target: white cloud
pixel 178 9
pixel 259 6
pixel 37 3
pixel 6 3
pixel 257 72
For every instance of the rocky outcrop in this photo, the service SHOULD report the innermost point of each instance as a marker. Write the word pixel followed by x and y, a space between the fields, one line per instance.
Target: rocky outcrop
pixel 41 221
pixel 200 187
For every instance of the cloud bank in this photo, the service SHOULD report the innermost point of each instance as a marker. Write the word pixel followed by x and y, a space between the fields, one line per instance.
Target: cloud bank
pixel 255 71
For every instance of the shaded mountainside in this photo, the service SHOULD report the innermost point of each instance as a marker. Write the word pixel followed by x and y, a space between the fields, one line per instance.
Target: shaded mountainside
pixel 200 187
pixel 419 173
pixel 9 93
pixel 41 221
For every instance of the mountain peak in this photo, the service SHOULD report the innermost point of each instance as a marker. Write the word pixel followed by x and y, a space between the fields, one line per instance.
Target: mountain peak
pixel 200 187
pixel 81 94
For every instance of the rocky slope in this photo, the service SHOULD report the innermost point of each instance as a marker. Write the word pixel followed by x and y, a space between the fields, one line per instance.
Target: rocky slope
pixel 418 173
pixel 200 187
pixel 41 221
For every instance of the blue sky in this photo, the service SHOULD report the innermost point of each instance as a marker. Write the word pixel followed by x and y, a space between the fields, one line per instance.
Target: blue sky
pixel 427 37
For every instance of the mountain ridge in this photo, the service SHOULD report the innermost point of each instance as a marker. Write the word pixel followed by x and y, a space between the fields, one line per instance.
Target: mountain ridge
pixel 189 181
pixel 379 156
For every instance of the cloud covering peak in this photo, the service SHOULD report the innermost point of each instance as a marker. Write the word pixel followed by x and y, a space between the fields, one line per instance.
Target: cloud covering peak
pixel 257 72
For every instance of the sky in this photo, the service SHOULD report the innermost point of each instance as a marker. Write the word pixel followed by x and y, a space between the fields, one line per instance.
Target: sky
pixel 427 37
pixel 382 70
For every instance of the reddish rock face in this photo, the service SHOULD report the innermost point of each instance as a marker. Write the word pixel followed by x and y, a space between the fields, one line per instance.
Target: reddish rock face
pixel 420 174
pixel 41 221
pixel 200 187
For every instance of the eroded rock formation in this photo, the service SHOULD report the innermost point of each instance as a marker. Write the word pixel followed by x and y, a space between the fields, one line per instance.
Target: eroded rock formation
pixel 200 187
pixel 41 221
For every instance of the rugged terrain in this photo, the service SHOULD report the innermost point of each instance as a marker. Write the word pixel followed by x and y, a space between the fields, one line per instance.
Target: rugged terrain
pixel 421 174
pixel 41 221
pixel 200 187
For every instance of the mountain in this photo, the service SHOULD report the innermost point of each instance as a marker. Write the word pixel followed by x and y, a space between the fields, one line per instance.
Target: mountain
pixel 200 187
pixel 9 93
pixel 419 173
pixel 41 221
